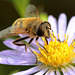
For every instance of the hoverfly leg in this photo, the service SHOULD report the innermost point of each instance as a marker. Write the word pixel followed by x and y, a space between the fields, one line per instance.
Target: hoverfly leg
pixel 40 44
pixel 37 38
pixel 34 54
pixel 20 39
pixel 46 41
pixel 28 44
pixel 19 44
pixel 31 50
pixel 16 42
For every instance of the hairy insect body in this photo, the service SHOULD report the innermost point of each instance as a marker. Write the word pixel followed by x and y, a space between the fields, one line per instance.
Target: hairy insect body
pixel 26 26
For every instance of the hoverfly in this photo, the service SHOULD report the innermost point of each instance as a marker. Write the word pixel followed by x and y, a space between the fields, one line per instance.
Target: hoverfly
pixel 32 25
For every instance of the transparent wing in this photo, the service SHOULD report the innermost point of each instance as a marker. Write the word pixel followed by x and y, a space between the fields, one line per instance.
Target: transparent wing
pixel 31 11
pixel 7 32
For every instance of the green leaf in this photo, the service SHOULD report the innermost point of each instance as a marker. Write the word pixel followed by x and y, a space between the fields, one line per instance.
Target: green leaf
pixel 14 72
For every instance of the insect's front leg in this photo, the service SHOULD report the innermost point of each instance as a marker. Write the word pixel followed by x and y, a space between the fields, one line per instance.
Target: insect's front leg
pixel 42 45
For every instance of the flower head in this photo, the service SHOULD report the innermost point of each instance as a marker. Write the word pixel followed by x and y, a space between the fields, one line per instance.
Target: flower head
pixel 56 54
pixel 55 57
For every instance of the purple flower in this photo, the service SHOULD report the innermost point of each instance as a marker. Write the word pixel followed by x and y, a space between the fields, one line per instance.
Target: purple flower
pixel 59 57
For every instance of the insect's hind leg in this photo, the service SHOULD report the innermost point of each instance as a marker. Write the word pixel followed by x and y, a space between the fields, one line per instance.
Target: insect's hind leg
pixel 16 42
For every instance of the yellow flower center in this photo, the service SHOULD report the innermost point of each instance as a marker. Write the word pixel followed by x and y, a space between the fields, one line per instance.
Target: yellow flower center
pixel 56 53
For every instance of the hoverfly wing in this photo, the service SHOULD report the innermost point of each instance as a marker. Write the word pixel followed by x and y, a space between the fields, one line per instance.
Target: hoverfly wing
pixel 31 11
pixel 7 32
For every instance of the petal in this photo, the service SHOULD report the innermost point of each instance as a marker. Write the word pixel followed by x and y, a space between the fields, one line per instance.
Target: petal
pixel 70 39
pixel 9 43
pixel 72 67
pixel 30 71
pixel 52 20
pixel 71 25
pixel 51 72
pixel 41 72
pixel 71 30
pixel 34 49
pixel 70 71
pixel 62 21
pixel 5 59
pixel 11 57
pixel 65 72
pixel 57 72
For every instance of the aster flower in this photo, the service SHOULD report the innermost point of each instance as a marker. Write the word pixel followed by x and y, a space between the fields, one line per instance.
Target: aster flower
pixel 57 58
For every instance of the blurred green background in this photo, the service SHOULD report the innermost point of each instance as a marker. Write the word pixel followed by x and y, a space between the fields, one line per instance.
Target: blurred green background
pixel 10 10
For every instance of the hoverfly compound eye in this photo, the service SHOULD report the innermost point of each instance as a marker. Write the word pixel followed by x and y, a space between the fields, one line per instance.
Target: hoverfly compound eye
pixel 47 27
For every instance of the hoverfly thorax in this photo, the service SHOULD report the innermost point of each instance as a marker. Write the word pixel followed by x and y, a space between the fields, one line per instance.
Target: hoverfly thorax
pixel 43 29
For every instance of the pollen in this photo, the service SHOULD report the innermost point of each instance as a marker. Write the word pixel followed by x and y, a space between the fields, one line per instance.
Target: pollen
pixel 58 54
